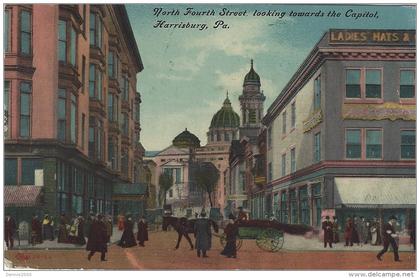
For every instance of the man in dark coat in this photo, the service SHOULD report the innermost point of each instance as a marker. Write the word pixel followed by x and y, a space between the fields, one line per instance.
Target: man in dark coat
pixel 142 233
pixel 232 232
pixel 127 238
pixel 335 230
pixel 389 238
pixel 202 233
pixel 348 232
pixel 81 230
pixel 63 234
pixel 327 226
pixel 36 230
pixel 9 231
pixel 97 238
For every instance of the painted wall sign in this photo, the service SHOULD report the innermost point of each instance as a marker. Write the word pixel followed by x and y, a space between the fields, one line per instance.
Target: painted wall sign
pixel 371 37
pixel 312 121
pixel 386 111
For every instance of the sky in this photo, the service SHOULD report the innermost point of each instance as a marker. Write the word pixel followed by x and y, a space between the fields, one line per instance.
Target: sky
pixel 187 72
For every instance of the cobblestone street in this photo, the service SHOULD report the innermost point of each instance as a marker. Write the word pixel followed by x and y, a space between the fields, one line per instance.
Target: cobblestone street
pixel 159 253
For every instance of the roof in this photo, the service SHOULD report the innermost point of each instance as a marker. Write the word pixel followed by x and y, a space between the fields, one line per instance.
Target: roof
pixel 186 139
pixel 252 76
pixel 225 117
pixel 375 192
pixel 124 21
pixel 22 195
pixel 129 189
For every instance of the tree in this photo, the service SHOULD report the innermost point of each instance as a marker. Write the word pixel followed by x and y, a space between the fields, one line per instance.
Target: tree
pixel 165 183
pixel 206 177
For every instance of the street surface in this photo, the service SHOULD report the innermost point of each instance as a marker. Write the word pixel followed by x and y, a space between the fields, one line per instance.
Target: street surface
pixel 159 254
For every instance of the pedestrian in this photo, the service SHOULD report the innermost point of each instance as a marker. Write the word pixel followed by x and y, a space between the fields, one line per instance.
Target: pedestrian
pixel 36 230
pixel 109 231
pixel 63 234
pixel 389 237
pixel 328 231
pixel 363 231
pixel 348 232
pixel 142 233
pixel 374 231
pixel 127 238
pixel 80 238
pixel 88 223
pixel 9 231
pixel 121 221
pixel 335 229
pixel 97 238
pixel 356 229
pixel 202 235
pixel 46 231
pixel 413 233
pixel 231 232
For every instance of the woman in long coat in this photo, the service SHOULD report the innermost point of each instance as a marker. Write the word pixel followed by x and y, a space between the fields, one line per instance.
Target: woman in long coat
pixel 97 239
pixel 62 230
pixel 127 238
pixel 231 232
pixel 348 232
pixel 202 232
pixel 142 233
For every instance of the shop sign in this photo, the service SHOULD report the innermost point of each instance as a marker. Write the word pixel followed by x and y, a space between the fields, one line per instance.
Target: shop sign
pixel 372 37
pixel 385 111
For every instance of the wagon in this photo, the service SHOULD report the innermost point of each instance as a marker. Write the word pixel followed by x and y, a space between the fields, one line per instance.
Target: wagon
pixel 268 234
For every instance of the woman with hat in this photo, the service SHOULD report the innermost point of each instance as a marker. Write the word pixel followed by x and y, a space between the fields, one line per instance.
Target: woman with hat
pixel 231 232
pixel 202 233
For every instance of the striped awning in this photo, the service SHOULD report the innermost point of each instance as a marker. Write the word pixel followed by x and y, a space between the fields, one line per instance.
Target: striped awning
pixel 22 195
pixel 375 192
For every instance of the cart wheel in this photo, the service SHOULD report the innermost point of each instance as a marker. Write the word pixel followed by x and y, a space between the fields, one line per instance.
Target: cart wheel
pixel 270 240
pixel 223 241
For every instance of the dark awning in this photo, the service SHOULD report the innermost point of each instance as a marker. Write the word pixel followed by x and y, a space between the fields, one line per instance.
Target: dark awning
pixel 130 189
pixel 22 195
pixel 375 192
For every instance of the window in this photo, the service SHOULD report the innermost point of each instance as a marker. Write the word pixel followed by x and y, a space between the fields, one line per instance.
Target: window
pixel 95 35
pixel 83 130
pixel 95 82
pixel 113 152
pixel 73 117
pixel 408 144
pixel 25 32
pixel 317 93
pixel 364 83
pixel 124 124
pixel 293 207
pixel 284 122
pixel 6 95
pixel 353 143
pixel 373 144
pixel 270 171
pixel 269 137
pixel 125 88
pixel 227 137
pixel 6 34
pixel 96 139
pixel 284 218
pixel 28 170
pixel 373 83
pixel 407 84
pixel 178 175
pixel 283 165
pixel 111 64
pixel 293 160
pixel 66 42
pixel 317 147
pixel 25 108
pixel 61 115
pixel 111 107
pixel 252 116
pixel 293 124
pixel 124 163
pixel 10 171
pixel 83 72
pixel 304 205
pixel 353 84
pixel 316 194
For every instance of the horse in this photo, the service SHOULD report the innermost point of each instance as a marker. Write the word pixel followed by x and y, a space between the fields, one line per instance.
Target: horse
pixel 183 227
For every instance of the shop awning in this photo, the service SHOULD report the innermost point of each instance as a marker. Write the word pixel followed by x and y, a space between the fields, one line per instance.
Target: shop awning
pixel 22 195
pixel 375 192
pixel 130 189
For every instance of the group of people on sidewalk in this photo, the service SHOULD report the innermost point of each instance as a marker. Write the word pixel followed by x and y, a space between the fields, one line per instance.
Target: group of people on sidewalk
pixel 127 225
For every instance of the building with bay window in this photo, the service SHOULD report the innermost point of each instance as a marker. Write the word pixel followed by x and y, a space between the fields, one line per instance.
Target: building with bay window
pixel 341 134
pixel 71 110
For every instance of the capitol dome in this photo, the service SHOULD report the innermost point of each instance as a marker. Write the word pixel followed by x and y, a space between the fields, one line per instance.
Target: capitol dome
pixel 252 77
pixel 186 140
pixel 225 117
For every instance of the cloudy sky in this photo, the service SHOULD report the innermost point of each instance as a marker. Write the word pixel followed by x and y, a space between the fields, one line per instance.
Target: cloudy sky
pixel 188 71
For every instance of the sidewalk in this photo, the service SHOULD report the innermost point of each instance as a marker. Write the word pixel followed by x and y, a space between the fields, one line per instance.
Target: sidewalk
pixel 54 245
pixel 300 243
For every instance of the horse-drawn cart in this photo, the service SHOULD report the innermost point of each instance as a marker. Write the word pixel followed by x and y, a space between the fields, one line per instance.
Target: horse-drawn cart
pixel 268 235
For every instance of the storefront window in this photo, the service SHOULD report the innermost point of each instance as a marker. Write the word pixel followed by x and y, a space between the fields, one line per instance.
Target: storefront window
pixel 10 171
pixel 293 207
pixel 316 194
pixel 28 170
pixel 284 213
pixel 304 205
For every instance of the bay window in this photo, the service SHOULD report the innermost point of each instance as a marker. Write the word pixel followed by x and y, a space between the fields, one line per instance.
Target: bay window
pixel 25 109
pixel 95 34
pixel 25 32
